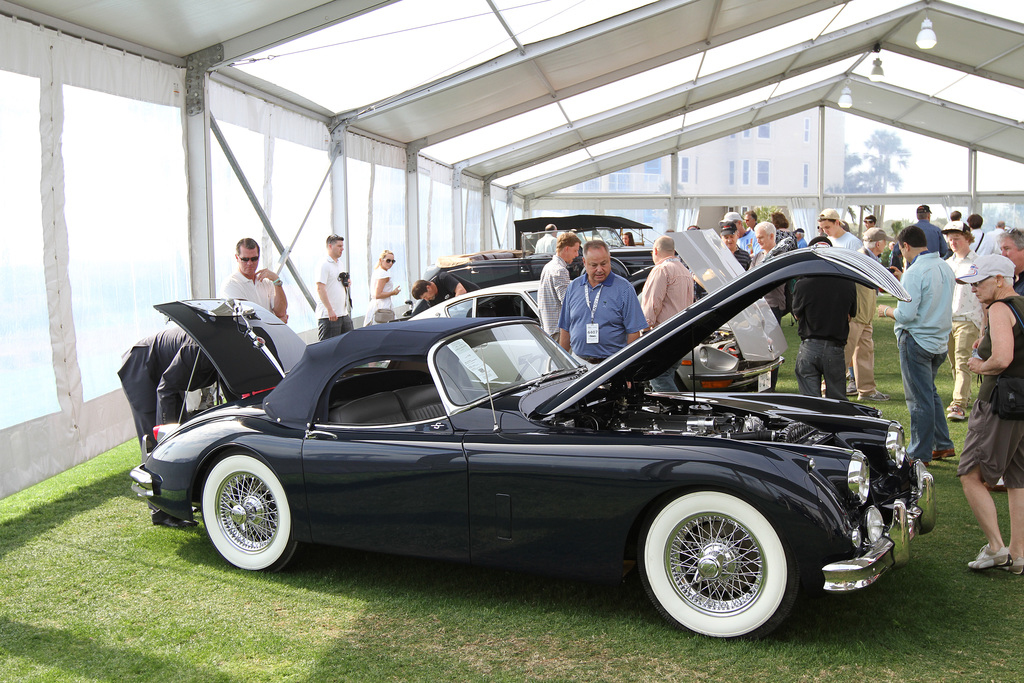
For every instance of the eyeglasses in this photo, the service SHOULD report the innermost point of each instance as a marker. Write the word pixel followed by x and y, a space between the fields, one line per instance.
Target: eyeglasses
pixel 868 220
pixel 248 258
pixel 389 260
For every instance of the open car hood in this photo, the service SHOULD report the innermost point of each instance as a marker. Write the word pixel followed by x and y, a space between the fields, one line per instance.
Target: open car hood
pixel 755 329
pixel 653 353
pixel 249 346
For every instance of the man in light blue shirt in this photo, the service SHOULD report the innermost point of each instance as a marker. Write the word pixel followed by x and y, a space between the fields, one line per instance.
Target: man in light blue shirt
pixel 923 326
pixel 601 312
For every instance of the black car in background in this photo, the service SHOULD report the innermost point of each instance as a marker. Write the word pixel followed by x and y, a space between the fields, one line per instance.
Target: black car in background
pixel 636 258
pixel 498 267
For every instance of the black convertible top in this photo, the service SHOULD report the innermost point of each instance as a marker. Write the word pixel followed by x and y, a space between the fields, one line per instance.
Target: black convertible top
pixel 294 400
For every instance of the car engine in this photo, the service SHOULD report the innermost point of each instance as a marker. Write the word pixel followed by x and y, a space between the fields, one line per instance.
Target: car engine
pixel 650 416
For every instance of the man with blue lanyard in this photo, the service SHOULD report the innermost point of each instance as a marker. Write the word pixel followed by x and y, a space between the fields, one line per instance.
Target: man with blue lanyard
pixel 600 312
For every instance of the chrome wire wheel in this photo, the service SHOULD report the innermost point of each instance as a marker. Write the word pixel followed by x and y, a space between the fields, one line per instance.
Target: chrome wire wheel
pixel 713 564
pixel 246 514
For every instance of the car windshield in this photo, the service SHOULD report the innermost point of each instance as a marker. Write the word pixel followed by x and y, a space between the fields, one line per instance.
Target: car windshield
pixel 610 237
pixel 495 359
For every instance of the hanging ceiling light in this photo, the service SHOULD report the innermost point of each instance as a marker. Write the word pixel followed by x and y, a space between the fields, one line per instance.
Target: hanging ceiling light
pixel 876 69
pixel 926 39
pixel 845 98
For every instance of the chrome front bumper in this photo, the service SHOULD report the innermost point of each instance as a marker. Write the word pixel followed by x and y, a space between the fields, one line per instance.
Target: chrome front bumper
pixel 143 483
pixel 893 548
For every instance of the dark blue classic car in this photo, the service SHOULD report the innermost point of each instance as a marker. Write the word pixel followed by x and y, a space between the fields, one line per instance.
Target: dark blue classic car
pixel 482 441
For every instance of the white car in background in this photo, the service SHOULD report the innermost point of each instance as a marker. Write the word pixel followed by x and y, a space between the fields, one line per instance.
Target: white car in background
pixel 717 365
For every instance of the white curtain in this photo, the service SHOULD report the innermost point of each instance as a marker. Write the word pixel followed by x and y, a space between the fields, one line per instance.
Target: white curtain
pixel 472 213
pixel 376 213
pixel 805 213
pixel 73 409
pixel 435 205
pixel 687 209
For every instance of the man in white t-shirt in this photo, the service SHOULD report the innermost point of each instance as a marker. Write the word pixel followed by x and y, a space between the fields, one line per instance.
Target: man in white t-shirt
pixel 334 303
pixel 831 224
pixel 262 286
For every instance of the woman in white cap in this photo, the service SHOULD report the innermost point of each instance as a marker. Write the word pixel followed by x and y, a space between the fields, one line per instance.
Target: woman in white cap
pixel 994 447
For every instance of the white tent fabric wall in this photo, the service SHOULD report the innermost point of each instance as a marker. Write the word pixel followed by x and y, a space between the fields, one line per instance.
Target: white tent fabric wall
pixel 285 170
pixel 376 212
pixel 47 444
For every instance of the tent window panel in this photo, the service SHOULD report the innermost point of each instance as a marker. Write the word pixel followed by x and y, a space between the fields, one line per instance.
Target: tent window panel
pixel 26 359
pixel 127 219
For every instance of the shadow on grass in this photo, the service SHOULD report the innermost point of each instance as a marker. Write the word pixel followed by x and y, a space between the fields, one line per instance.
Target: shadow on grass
pixel 83 657
pixel 421 590
pixel 40 518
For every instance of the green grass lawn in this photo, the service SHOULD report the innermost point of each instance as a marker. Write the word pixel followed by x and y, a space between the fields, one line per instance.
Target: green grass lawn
pixel 90 591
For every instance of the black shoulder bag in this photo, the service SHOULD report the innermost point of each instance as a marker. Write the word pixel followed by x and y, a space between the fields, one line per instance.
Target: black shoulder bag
pixel 1009 393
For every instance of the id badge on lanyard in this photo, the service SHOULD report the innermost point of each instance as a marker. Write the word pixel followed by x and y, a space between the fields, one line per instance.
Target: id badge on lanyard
pixel 592 327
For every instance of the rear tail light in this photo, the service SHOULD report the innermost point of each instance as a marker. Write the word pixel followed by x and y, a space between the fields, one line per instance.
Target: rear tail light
pixel 161 432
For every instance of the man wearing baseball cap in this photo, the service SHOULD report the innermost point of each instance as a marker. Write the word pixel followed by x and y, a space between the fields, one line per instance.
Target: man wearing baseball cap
pixel 922 330
pixel 932 234
pixel 832 225
pixel 800 241
pixel 967 320
pixel 729 241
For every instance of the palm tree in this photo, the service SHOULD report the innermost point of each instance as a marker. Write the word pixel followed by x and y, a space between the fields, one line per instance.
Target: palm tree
pixel 878 169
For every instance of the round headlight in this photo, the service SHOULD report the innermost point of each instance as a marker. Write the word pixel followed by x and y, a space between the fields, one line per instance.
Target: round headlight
pixel 874 524
pixel 894 444
pixel 858 476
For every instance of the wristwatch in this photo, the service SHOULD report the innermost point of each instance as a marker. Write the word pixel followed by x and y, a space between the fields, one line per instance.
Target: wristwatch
pixel 277 282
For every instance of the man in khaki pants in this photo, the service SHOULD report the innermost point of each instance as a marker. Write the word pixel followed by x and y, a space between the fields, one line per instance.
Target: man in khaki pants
pixel 860 346
pixel 968 316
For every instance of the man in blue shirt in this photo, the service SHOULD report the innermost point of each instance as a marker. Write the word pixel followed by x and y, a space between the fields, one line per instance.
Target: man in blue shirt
pixel 936 243
pixel 600 312
pixel 923 326
pixel 800 241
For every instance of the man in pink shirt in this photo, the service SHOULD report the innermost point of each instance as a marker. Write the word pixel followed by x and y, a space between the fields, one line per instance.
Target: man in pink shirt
pixel 668 290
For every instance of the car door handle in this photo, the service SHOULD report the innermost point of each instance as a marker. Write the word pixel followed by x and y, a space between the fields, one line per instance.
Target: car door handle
pixel 318 434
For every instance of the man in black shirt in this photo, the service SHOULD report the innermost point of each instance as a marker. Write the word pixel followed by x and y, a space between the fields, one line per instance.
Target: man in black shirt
pixel 823 307
pixel 155 374
pixel 441 287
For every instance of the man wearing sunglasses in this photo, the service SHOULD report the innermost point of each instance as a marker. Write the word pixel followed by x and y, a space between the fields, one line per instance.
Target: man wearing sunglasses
pixel 249 282
pixel 334 305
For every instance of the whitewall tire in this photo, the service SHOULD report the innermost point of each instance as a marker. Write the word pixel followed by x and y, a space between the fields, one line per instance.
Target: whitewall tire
pixel 246 514
pixel 713 564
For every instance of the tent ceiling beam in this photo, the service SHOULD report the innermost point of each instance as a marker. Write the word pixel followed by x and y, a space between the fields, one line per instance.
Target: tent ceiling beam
pixel 296 26
pixel 725 84
pixel 551 45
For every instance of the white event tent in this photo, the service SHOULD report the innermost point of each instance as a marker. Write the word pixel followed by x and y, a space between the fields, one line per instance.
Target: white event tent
pixel 139 141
